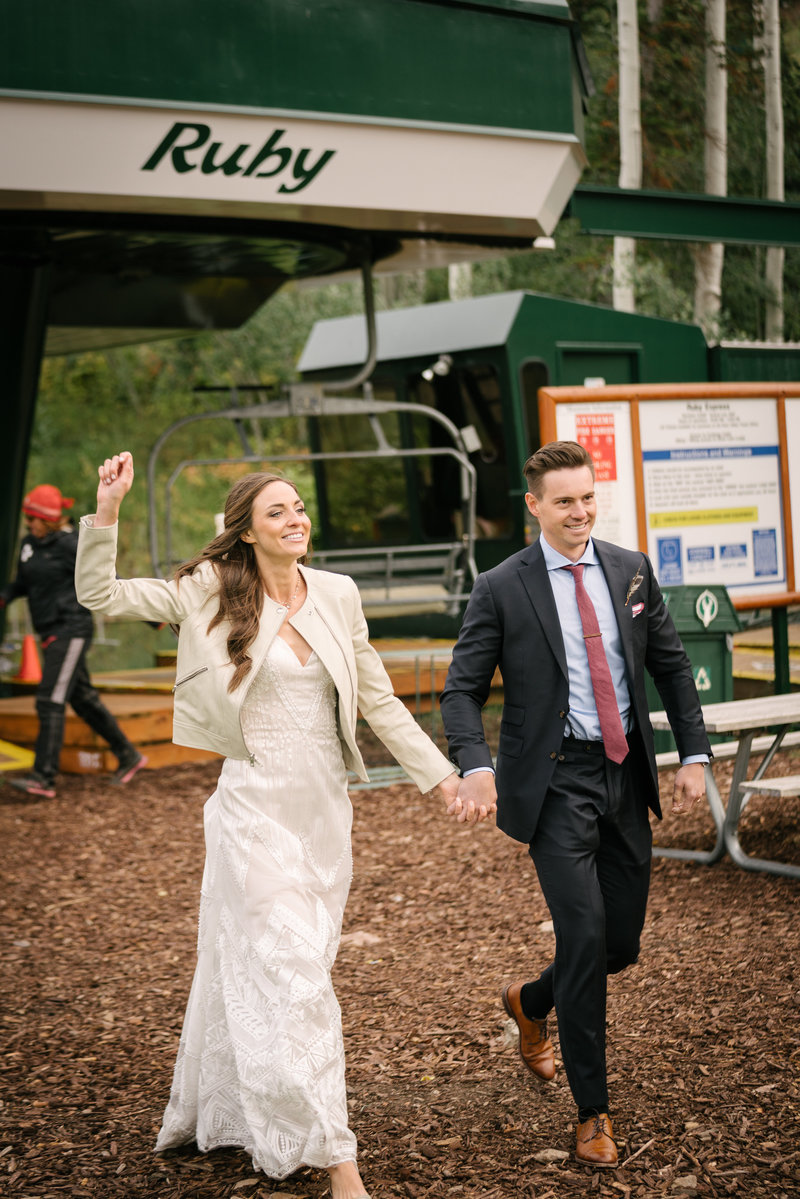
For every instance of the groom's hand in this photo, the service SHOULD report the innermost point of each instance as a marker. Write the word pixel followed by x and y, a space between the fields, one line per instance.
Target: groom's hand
pixel 476 800
pixel 690 786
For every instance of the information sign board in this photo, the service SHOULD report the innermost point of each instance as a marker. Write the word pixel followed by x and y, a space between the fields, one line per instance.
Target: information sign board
pixel 698 475
pixel 792 469
pixel 712 492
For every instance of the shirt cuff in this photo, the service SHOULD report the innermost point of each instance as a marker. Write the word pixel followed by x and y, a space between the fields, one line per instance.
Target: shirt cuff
pixel 477 770
pixel 704 758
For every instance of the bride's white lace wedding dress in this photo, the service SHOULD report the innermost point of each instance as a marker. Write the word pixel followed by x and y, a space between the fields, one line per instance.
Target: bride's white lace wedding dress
pixel 261 1057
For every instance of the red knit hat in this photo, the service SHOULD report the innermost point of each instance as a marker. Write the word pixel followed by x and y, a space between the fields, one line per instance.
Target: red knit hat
pixel 46 502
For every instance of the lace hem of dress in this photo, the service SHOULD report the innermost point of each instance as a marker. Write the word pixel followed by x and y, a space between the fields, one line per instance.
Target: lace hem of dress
pixel 176 1132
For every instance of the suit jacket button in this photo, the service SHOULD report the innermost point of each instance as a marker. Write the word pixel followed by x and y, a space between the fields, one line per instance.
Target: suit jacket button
pixel 554 755
pixel 562 714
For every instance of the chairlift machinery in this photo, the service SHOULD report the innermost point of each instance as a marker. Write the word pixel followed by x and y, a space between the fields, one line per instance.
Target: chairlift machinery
pixel 420 578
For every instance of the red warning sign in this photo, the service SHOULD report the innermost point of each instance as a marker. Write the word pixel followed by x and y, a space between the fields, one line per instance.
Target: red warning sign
pixel 595 432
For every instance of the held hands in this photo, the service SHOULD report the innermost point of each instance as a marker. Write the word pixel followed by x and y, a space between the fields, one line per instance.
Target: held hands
pixel 116 480
pixel 470 800
pixel 690 785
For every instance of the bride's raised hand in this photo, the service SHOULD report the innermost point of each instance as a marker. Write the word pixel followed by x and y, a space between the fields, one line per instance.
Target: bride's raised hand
pixel 116 480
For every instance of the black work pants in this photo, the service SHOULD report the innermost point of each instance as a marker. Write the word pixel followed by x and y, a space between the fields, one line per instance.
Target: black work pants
pixel 65 679
pixel 592 851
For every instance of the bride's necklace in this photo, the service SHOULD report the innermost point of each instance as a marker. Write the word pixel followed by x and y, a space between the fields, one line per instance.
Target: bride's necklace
pixel 293 596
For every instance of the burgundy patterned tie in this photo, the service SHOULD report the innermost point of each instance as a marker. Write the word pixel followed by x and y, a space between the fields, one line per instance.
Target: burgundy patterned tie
pixel 615 742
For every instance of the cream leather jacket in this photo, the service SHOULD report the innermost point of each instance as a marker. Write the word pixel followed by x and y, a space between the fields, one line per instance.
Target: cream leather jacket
pixel 206 715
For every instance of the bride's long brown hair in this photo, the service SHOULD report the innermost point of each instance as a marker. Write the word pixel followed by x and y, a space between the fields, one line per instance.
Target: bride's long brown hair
pixel 241 591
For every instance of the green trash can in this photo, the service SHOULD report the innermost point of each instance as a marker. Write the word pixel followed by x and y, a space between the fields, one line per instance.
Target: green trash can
pixel 706 621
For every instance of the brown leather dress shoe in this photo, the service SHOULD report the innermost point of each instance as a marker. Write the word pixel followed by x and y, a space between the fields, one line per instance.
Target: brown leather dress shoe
pixel 596 1145
pixel 534 1048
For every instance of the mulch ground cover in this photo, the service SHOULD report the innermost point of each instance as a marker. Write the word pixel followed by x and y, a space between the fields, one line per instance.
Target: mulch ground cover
pixel 99 896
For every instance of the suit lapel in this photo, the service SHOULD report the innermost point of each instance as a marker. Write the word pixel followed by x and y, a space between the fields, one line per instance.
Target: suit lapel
pixel 618 578
pixel 533 575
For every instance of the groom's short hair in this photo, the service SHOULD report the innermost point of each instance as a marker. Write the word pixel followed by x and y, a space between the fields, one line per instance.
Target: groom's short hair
pixel 556 455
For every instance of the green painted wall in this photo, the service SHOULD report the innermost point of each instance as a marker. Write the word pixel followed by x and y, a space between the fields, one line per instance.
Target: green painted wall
pixel 564 332
pixel 766 364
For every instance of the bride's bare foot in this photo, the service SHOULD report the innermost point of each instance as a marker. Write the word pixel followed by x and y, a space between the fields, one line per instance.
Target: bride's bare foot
pixel 346 1182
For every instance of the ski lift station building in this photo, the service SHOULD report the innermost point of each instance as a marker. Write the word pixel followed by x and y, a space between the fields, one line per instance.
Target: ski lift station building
pixel 480 363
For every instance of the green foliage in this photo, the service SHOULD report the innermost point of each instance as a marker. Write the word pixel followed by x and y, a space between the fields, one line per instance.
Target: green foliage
pixel 578 267
pixel 673 45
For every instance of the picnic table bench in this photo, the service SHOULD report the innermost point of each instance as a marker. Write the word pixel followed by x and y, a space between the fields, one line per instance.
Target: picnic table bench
pixel 776 713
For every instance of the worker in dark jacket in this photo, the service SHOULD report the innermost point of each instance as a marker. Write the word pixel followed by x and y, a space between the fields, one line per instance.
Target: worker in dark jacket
pixel 45 574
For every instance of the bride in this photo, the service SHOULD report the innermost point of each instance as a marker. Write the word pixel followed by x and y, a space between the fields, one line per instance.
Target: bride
pixel 274 663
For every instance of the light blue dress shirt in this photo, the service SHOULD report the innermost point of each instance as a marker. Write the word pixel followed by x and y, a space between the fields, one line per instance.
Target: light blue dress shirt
pixel 583 721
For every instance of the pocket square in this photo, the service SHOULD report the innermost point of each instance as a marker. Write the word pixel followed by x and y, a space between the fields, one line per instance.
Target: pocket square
pixel 637 609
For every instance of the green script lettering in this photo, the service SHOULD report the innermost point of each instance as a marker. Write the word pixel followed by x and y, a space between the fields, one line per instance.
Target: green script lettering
pixel 231 164
pixel 185 136
pixel 178 152
pixel 306 175
pixel 267 151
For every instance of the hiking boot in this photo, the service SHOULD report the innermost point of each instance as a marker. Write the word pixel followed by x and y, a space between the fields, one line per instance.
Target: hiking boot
pixel 33 785
pixel 127 768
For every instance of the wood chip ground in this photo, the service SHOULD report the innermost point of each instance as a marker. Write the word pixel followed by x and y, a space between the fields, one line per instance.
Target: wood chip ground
pixel 99 902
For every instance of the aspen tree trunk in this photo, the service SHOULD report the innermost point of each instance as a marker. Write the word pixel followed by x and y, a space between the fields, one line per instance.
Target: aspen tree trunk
pixel 769 43
pixel 630 145
pixel 708 259
pixel 459 280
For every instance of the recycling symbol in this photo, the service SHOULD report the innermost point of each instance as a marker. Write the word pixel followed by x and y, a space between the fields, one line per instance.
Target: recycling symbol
pixel 707 607
pixel 702 679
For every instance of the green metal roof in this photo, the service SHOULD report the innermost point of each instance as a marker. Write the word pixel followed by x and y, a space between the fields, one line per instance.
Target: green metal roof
pixel 541 8
pixel 176 162
pixel 506 64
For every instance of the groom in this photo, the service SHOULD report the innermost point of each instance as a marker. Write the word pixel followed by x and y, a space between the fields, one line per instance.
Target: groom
pixel 573 623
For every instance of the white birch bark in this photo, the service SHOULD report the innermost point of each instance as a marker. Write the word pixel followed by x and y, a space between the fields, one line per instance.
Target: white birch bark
pixel 459 280
pixel 708 259
pixel 769 43
pixel 630 145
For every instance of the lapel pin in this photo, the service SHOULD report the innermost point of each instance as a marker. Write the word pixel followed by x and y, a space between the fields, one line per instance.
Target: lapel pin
pixel 635 583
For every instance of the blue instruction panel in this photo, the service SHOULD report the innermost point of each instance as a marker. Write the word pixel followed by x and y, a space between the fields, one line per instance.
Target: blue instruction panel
pixel 670 566
pixel 712 489
pixel 699 560
pixel 765 553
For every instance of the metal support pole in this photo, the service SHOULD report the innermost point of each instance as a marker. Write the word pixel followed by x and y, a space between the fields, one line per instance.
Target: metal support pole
pixel 24 298
pixel 780 650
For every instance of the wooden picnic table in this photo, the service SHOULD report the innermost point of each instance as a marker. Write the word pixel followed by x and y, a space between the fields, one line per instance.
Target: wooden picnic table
pixel 743 717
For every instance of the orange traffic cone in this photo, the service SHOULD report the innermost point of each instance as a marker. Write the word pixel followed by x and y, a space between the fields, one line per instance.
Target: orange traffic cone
pixel 30 668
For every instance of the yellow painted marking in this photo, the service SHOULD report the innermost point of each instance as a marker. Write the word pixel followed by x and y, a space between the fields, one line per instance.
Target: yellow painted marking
pixel 706 516
pixel 14 757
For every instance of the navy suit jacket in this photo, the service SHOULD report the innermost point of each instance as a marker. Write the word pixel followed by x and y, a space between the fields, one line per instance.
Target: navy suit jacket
pixel 511 622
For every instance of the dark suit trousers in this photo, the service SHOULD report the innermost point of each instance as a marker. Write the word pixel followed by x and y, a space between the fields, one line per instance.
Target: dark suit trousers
pixel 592 850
